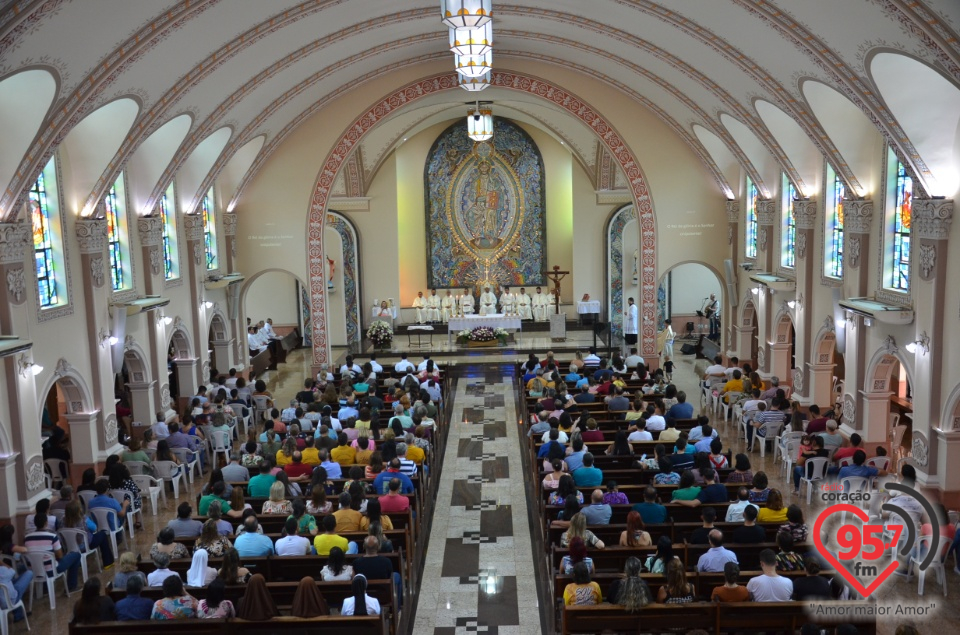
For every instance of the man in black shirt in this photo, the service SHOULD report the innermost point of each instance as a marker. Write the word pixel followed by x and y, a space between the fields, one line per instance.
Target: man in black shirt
pixel 813 586
pixel 701 535
pixel 374 566
pixel 750 532
pixel 680 459
pixel 712 492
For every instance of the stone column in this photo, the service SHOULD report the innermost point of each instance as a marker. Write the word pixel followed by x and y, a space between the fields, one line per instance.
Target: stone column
pixel 186 372
pixel 142 404
pixel 195 274
pixel 948 450
pixel 92 240
pixel 857 222
pixel 150 229
pixel 928 278
pixel 805 217
pixel 230 241
pixel 730 304
pixel 85 430
pixel 778 361
pixel 221 353
pixel 767 248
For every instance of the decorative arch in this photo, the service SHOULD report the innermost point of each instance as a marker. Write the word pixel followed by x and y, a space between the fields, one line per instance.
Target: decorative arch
pixel 950 420
pixel 136 360
pixel 661 291
pixel 880 367
pixel 351 273
pixel 305 300
pixel 74 388
pixel 747 317
pixel 825 343
pixel 559 97
pixel 218 325
pixel 180 338
pixel 783 324
pixel 615 226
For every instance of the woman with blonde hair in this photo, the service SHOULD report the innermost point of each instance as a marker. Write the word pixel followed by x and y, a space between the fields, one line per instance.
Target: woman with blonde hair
pixel 277 503
pixel 237 501
pixel 578 529
pixel 126 569
pixel 285 455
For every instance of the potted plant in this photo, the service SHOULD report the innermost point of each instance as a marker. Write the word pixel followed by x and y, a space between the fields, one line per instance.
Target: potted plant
pixel 380 333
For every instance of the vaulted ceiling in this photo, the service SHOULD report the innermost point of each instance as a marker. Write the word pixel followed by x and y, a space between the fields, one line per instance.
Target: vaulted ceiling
pixel 206 89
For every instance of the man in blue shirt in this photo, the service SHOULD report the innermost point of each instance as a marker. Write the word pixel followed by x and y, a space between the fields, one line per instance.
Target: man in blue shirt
pixel 597 512
pixel 650 510
pixel 250 544
pixel 332 467
pixel 102 500
pixel 717 556
pixel 381 484
pixel 859 469
pixel 588 476
pixel 680 410
pixel 134 607
pixel 575 459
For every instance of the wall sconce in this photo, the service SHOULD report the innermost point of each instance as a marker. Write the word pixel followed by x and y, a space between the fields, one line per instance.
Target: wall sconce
pixel 107 338
pixel 867 321
pixel 164 320
pixel 923 343
pixel 24 366
pixel 206 304
pixel 841 323
pixel 755 291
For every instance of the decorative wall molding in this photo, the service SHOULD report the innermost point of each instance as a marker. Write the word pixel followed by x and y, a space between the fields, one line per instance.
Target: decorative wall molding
pixel 351 275
pixel 852 254
pixel 849 410
pixel 920 449
pixel 829 324
pixel 614 197
pixel 894 297
pixel 197 253
pixel 927 255
pixel 801 245
pixel 730 234
pixel 193 226
pixel 761 358
pixel 150 229
pixel 110 429
pixel 91 235
pixel 857 215
pixel 932 218
pixel 229 224
pixel 766 212
pixel 798 380
pixel 805 213
pixel 16 285
pixel 762 238
pixel 96 271
pixel 733 211
pixel 156 261
pixel 34 475
pixel 14 238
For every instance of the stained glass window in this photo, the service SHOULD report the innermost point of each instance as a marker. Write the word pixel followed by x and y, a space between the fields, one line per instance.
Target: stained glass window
pixel 42 217
pixel 835 226
pixel 902 213
pixel 170 264
pixel 788 257
pixel 115 233
pixel 752 196
pixel 209 230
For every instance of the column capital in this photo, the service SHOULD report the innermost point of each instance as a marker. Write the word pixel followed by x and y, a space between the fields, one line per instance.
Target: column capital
pixel 766 212
pixel 229 224
pixel 733 211
pixel 151 230
pixel 932 217
pixel 857 215
pixel 92 235
pixel 14 238
pixel 193 226
pixel 805 213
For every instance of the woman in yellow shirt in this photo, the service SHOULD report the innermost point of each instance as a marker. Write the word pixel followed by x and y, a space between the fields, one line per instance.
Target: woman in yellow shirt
pixel 582 591
pixel 775 511
pixel 285 453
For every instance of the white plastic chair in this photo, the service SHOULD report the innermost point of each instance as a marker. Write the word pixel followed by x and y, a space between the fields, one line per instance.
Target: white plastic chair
pixel 151 486
pixel 57 468
pixel 11 607
pixel 853 485
pixel 726 407
pixel 103 515
pixel 814 470
pixel 121 495
pixel 936 565
pixel 220 444
pixel 261 407
pixel 771 430
pixel 38 561
pixel 189 464
pixel 172 473
pixel 76 540
pixel 879 462
pixel 786 448
pixel 845 461
pixel 85 496
pixel 897 445
pixel 138 467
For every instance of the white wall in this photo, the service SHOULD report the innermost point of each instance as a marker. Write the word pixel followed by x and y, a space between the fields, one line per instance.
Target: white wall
pixel 690 283
pixel 273 295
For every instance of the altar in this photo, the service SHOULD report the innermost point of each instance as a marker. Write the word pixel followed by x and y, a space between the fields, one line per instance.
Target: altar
pixel 494 321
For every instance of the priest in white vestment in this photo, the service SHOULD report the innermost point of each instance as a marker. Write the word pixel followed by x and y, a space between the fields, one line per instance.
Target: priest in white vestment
pixel 448 307
pixel 508 302
pixel 630 325
pixel 420 304
pixel 466 302
pixel 433 306
pixel 488 302
pixel 524 302
pixel 539 303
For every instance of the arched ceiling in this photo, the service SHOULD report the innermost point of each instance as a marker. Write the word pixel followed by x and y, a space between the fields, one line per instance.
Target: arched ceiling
pixel 254 68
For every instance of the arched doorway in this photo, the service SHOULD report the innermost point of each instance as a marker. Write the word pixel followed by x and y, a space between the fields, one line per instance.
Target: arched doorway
pixel 827 370
pixel 747 332
pixel 279 295
pixel 218 343
pixel 888 403
pixel 783 348
pixel 683 295
pixel 134 387
pixel 64 395
pixel 180 365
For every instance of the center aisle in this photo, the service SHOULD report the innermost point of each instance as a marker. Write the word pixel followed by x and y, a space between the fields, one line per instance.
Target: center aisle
pixel 479 568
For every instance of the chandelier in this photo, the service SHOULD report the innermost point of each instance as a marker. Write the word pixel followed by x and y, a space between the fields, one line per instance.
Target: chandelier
pixel 480 123
pixel 472 40
pixel 473 65
pixel 466 13
pixel 474 84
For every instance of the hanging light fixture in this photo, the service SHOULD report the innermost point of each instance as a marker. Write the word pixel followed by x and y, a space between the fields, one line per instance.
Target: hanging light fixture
pixel 466 13
pixel 472 40
pixel 474 65
pixel 474 84
pixel 480 122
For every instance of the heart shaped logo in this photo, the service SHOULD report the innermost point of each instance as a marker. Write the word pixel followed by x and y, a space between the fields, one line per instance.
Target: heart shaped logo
pixel 841 569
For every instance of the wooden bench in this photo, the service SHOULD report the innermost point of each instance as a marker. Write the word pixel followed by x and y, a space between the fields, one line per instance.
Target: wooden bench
pixel 675 511
pixel 678 532
pixel 327 625
pixel 276 568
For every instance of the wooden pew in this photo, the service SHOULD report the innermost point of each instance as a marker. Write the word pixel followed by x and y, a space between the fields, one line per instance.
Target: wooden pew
pixel 678 532
pixel 676 512
pixel 327 625
pixel 276 568
pixel 259 363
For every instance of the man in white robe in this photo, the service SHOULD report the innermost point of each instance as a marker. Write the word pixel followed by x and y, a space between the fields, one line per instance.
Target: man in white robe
pixel 448 307
pixel 508 302
pixel 419 303
pixel 466 303
pixel 630 323
pixel 488 302
pixel 524 302
pixel 433 306
pixel 539 302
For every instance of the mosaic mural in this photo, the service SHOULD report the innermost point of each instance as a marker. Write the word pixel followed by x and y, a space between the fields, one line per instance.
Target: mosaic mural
pixel 615 266
pixel 350 276
pixel 485 209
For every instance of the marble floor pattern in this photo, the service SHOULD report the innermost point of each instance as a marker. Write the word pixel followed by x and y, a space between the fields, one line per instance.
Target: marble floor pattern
pixel 478 575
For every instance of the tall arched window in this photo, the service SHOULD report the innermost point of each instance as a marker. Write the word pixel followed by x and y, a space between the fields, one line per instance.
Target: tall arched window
pixel 788 256
pixel 47 238
pixel 751 225
pixel 833 232
pixel 117 245
pixel 899 226
pixel 210 230
pixel 171 266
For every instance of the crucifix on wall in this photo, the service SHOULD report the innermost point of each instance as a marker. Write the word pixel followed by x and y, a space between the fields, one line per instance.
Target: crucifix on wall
pixel 555 277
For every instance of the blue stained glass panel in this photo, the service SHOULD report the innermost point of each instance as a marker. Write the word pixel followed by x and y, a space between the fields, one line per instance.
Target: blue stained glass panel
pixel 43 244
pixel 751 238
pixel 902 218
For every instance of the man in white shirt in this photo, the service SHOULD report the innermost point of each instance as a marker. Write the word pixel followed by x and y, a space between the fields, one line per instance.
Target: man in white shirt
pixel 254 342
pixel 466 303
pixel 592 360
pixel 289 414
pixel 735 511
pixel 267 329
pixel 448 307
pixel 403 365
pixel 524 302
pixel 231 381
pixel 508 302
pixel 488 302
pixel 350 367
pixel 715 373
pixel 697 432
pixel 734 365
pixel 377 368
pixel 420 304
pixel 291 544
pixel 630 323
pixel 161 429
pixel 423 364
pixel 656 422
pixel 433 306
pixel 633 360
pixel 639 435
pixel 771 586
pixel 540 301
pixel 563 438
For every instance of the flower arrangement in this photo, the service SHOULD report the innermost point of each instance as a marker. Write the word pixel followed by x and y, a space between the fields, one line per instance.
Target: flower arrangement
pixel 481 334
pixel 380 333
